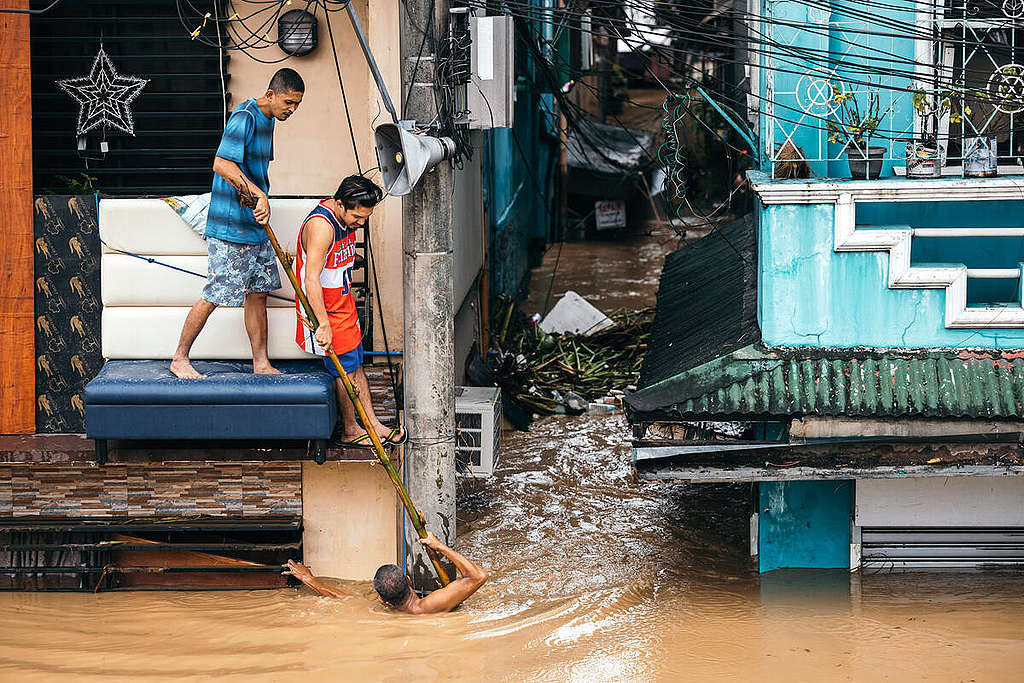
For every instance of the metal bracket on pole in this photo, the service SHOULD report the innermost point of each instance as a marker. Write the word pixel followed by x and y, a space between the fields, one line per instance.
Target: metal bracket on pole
pixel 371 62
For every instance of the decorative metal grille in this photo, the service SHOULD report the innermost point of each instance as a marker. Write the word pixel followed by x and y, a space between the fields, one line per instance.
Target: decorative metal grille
pixel 979 53
pixel 814 52
pixel 969 53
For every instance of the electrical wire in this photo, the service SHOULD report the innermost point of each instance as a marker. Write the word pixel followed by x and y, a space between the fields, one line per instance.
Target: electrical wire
pixel 344 98
pixel 693 37
pixel 13 10
pixel 220 68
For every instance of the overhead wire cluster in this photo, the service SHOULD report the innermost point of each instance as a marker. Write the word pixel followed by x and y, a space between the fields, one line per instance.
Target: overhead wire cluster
pixel 250 32
pixel 687 35
pixel 856 47
pixel 860 45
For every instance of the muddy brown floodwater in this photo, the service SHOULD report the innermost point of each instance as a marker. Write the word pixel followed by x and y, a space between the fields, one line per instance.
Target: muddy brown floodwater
pixel 595 577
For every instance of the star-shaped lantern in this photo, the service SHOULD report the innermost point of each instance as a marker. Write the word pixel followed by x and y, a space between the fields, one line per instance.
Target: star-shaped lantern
pixel 103 96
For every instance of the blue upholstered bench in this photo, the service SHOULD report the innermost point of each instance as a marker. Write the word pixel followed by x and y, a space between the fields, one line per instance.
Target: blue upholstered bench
pixel 142 400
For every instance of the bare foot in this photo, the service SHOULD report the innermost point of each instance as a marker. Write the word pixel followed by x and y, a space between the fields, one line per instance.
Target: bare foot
pixel 265 369
pixel 182 368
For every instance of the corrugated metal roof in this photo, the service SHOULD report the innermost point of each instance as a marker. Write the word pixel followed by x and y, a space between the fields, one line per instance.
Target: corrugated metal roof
pixel 707 302
pixel 757 383
pixel 706 361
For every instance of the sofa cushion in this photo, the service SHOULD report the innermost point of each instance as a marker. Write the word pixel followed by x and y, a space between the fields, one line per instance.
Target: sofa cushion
pixel 150 382
pixel 145 304
pixel 143 332
pixel 129 281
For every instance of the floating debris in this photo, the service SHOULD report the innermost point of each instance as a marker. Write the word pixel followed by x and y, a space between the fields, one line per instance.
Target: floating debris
pixel 567 373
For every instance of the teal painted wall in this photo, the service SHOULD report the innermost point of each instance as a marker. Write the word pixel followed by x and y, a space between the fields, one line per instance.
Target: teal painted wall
pixel 804 524
pixel 973 252
pixel 975 214
pixel 810 295
pixel 518 173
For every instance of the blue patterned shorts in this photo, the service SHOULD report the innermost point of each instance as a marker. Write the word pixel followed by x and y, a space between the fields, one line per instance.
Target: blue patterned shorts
pixel 238 269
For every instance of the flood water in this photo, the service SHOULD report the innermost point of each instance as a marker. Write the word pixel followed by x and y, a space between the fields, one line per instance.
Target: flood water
pixel 594 577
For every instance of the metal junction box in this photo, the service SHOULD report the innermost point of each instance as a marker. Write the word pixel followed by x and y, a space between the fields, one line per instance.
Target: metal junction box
pixel 490 93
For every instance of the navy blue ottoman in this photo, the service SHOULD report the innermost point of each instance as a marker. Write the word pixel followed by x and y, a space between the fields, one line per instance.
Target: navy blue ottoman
pixel 142 400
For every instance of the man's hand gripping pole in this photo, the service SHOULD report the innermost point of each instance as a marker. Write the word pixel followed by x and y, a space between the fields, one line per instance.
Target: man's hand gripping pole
pixel 418 522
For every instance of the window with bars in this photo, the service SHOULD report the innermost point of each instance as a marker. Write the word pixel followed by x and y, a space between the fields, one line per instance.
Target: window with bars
pixel 976 55
pixel 178 117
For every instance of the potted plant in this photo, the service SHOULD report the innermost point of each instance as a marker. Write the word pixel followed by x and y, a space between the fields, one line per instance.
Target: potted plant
pixel 925 154
pixel 854 129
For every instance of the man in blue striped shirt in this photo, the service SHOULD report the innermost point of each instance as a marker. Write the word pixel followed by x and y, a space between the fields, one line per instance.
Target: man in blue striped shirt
pixel 242 267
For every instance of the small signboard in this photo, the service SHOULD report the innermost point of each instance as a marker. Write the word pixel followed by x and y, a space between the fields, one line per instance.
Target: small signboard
pixel 610 214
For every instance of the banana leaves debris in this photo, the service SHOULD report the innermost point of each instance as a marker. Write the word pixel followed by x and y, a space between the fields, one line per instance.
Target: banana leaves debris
pixel 564 373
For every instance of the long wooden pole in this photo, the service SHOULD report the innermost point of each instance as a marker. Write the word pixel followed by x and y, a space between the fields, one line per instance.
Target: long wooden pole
pixel 418 522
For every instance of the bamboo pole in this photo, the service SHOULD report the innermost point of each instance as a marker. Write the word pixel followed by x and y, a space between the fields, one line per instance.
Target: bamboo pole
pixel 415 516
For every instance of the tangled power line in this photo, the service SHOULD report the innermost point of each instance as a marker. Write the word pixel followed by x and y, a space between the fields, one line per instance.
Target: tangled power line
pixel 858 45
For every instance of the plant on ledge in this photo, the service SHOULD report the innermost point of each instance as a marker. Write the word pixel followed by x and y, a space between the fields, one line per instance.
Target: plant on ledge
pixel 926 155
pixel 854 129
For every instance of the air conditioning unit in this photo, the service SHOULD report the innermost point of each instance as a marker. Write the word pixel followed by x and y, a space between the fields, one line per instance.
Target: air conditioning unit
pixel 478 430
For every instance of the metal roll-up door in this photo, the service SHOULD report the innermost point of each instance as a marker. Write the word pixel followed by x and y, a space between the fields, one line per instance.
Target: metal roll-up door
pixel 909 549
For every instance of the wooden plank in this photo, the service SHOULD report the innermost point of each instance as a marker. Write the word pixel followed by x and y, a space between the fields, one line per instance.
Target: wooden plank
pixel 17 311
pixel 866 460
pixel 169 557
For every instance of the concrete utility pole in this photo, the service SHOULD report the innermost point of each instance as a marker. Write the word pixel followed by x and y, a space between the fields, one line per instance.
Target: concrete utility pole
pixel 429 301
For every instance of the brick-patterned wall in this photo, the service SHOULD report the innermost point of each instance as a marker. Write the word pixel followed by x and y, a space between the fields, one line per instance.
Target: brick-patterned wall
pixel 140 490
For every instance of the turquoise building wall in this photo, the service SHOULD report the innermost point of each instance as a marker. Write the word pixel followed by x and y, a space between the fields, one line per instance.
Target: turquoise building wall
pixel 812 296
pixel 518 165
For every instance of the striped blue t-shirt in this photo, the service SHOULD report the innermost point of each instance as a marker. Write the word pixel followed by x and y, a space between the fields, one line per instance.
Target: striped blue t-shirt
pixel 248 140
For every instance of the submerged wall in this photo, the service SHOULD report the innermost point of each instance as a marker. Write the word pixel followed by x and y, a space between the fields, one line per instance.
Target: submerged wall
pixel 349 523
pixel 804 524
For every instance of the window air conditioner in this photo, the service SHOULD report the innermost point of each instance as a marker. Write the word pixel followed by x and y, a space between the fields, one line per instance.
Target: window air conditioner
pixel 478 430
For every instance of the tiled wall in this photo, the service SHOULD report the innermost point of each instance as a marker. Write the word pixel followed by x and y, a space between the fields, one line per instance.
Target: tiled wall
pixel 139 490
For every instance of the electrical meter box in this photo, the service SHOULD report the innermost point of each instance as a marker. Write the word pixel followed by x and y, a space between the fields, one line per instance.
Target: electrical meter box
pixel 491 91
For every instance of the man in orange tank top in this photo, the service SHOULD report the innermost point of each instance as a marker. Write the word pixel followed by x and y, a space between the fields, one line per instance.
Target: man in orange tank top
pixel 325 256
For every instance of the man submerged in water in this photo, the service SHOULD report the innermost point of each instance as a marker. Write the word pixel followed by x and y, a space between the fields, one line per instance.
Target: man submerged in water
pixel 395 588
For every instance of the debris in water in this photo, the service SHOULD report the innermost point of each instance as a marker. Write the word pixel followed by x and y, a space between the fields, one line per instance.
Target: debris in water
pixel 574 315
pixel 554 372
